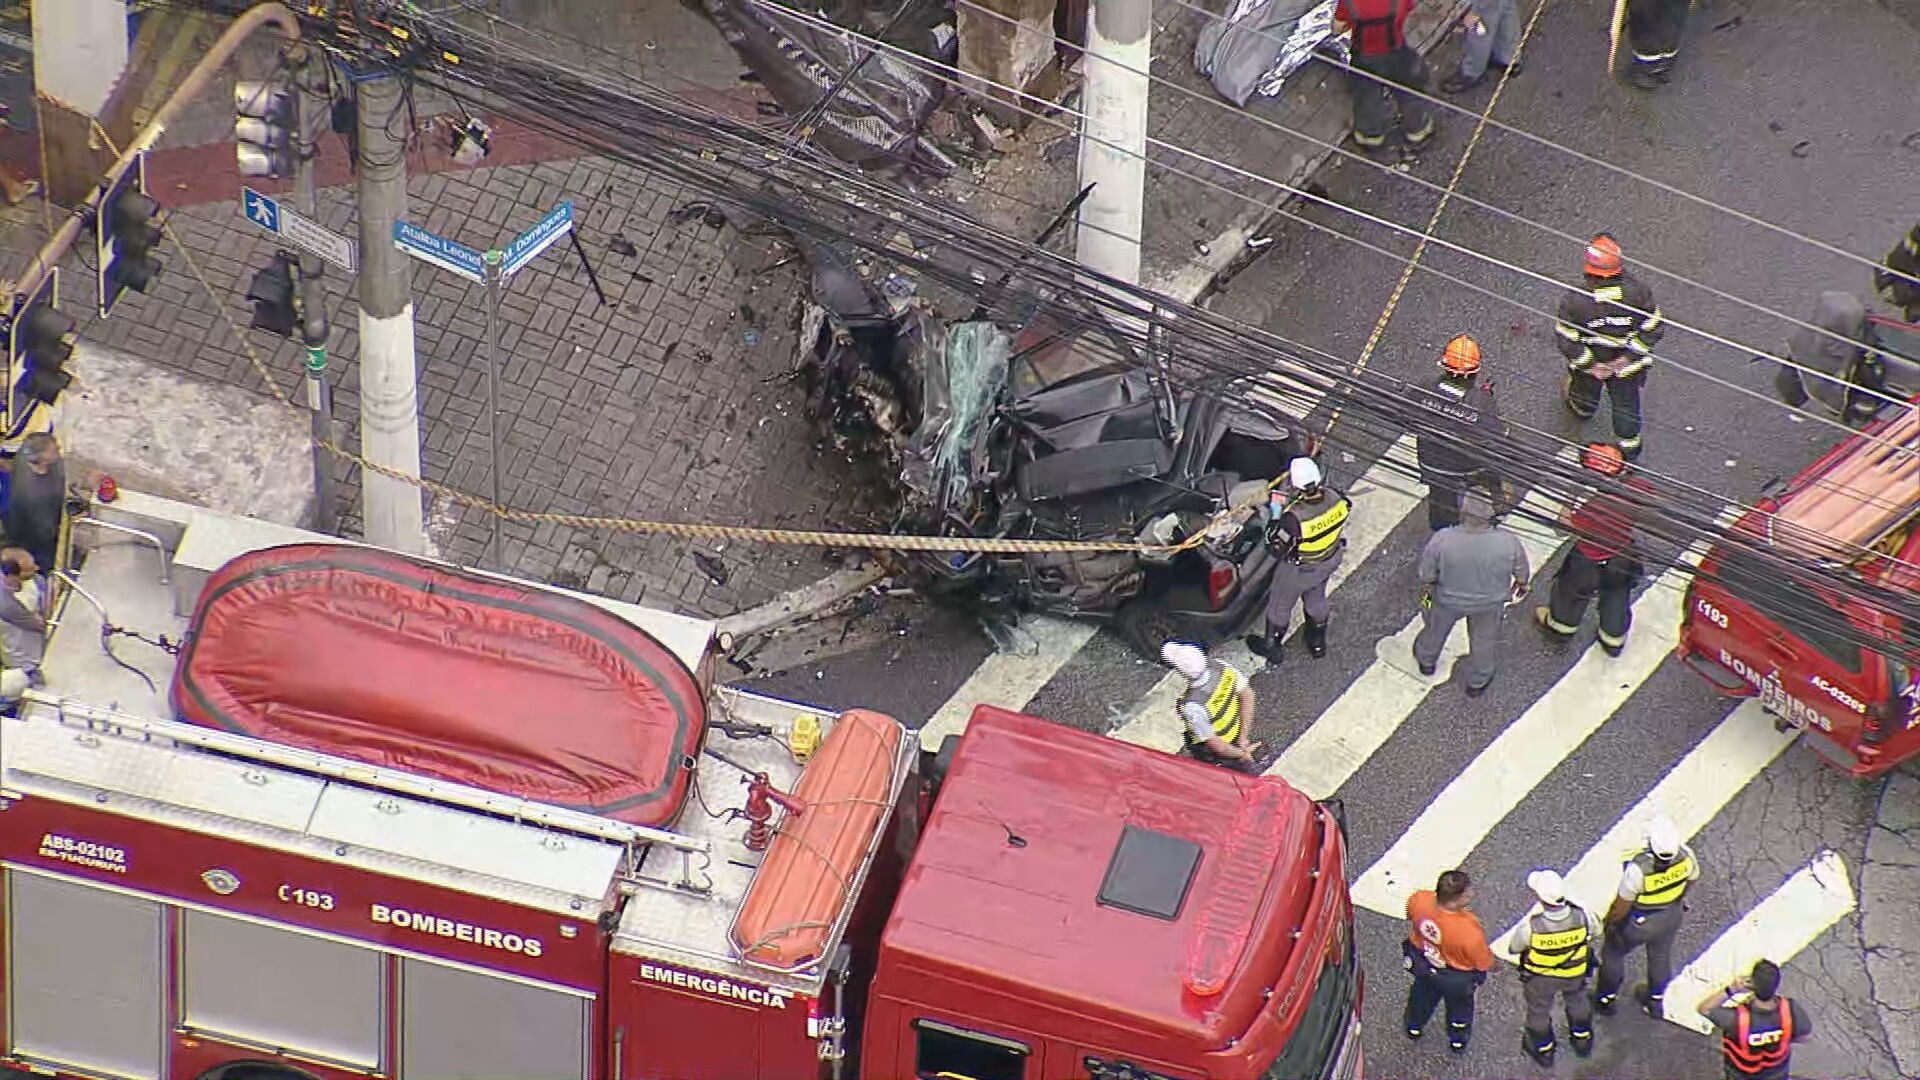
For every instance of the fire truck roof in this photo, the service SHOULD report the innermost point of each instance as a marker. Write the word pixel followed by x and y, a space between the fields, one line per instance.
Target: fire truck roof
pixel 1069 870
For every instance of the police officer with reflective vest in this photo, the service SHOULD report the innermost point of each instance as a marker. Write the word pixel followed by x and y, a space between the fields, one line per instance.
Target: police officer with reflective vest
pixel 1602 561
pixel 1385 68
pixel 1459 397
pixel 1216 711
pixel 1757 1035
pixel 1607 333
pixel 1305 540
pixel 1554 945
pixel 1654 29
pixel 1647 910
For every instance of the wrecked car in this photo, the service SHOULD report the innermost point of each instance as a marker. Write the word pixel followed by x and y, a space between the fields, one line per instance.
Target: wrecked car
pixel 1034 434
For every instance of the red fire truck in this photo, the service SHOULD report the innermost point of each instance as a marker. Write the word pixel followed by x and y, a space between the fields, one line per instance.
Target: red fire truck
pixel 291 809
pixel 1750 630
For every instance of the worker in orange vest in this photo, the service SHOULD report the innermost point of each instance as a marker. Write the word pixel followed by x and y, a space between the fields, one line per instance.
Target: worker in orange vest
pixel 1757 1035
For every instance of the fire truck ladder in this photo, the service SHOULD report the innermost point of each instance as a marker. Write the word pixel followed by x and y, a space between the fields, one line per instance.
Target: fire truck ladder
pixel 1861 502
pixel 97 722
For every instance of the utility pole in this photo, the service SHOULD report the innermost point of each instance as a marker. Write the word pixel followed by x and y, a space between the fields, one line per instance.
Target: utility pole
pixel 389 407
pixel 1113 136
pixel 310 88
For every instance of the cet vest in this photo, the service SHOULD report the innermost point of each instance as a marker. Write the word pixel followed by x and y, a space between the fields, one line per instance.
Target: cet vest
pixel 1218 692
pixel 1562 952
pixel 1751 1050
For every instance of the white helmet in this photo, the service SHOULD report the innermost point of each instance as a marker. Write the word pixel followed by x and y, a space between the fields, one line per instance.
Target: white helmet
pixel 1663 837
pixel 1548 886
pixel 1186 659
pixel 1304 473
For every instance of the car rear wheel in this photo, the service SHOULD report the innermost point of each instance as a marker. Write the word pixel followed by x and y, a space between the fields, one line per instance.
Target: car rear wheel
pixel 1146 626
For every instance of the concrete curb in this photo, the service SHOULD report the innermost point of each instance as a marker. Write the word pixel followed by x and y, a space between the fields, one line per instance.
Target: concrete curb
pixel 1890 919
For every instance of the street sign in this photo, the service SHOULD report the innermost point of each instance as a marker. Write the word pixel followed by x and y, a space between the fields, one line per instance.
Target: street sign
pixel 299 229
pixel 528 245
pixel 448 255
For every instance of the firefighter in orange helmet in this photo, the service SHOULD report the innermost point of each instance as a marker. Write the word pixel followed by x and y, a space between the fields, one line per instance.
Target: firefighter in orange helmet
pixel 1448 463
pixel 1602 561
pixel 1607 332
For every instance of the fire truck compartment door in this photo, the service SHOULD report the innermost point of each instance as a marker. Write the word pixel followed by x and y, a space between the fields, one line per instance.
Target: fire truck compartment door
pixel 84 976
pixel 461 1025
pixel 270 986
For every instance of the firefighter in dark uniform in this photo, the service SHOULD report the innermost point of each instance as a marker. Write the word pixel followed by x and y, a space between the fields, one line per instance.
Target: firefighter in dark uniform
pixel 1216 711
pixel 1654 28
pixel 1647 910
pixel 1603 561
pixel 1554 945
pixel 1387 68
pixel 1307 548
pixel 1757 1036
pixel 1898 278
pixel 1460 397
pixel 1607 333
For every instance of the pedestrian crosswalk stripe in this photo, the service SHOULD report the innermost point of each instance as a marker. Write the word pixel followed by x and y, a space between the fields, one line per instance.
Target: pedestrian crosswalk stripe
pixel 1381 498
pixel 1690 795
pixel 1510 767
pixel 1818 895
pixel 1008 679
pixel 1380 699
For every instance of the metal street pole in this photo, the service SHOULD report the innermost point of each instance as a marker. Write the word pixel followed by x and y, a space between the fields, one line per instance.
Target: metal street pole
pixel 1113 136
pixel 389 394
pixel 492 260
pixel 310 86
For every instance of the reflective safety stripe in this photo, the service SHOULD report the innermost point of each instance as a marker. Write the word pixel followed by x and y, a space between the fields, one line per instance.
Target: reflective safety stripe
pixel 1219 694
pixel 1752 1052
pixel 1631 443
pixel 1320 532
pixel 1654 58
pixel 1368 140
pixel 1560 953
pixel 1661 887
pixel 1636 367
pixel 1610 640
pixel 1609 292
pixel 1556 625
pixel 1568 331
pixel 1652 323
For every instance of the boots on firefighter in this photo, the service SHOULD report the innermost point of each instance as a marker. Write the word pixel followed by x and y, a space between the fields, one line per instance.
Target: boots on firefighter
pixel 1271 646
pixel 1316 635
pixel 1581 1040
pixel 1603 1003
pixel 1654 1004
pixel 1538 1046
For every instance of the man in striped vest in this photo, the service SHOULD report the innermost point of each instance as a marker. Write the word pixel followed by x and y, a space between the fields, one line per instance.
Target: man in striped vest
pixel 1757 1035
pixel 1216 710
pixel 1554 945
pixel 1647 909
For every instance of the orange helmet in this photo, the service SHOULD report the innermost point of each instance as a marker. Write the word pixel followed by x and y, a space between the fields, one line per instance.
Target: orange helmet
pixel 1462 356
pixel 1604 458
pixel 1603 256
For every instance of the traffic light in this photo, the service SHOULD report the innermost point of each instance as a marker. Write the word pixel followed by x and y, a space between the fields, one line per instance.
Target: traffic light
pixel 39 344
pixel 127 227
pixel 276 299
pixel 286 299
pixel 263 132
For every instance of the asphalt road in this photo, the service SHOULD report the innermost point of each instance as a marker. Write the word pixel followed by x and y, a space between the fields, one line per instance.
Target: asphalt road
pixel 1807 123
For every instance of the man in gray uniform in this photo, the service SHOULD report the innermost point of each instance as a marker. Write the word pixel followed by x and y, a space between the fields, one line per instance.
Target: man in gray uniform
pixel 1554 945
pixel 1493 34
pixel 1471 572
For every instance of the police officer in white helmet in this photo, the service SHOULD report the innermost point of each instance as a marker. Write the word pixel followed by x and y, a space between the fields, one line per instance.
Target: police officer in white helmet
pixel 1647 910
pixel 1554 946
pixel 1304 535
pixel 1216 710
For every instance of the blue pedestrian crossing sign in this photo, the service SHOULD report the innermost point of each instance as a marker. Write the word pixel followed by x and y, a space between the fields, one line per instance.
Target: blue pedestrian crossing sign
pixel 260 210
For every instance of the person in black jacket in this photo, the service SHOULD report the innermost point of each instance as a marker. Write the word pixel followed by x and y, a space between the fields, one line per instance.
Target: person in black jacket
pixel 1654 29
pixel 1461 397
pixel 1607 333
pixel 1898 278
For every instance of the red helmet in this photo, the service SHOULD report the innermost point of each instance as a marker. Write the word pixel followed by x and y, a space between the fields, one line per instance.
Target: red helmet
pixel 1603 256
pixel 1462 356
pixel 1604 458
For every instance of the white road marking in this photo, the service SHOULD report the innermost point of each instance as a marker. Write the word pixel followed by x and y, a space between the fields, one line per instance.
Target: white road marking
pixel 1690 795
pixel 1381 497
pixel 1009 680
pixel 1510 767
pixel 1787 921
pixel 1373 707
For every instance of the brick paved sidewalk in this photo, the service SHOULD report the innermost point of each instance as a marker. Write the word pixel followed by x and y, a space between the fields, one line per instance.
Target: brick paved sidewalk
pixel 672 402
